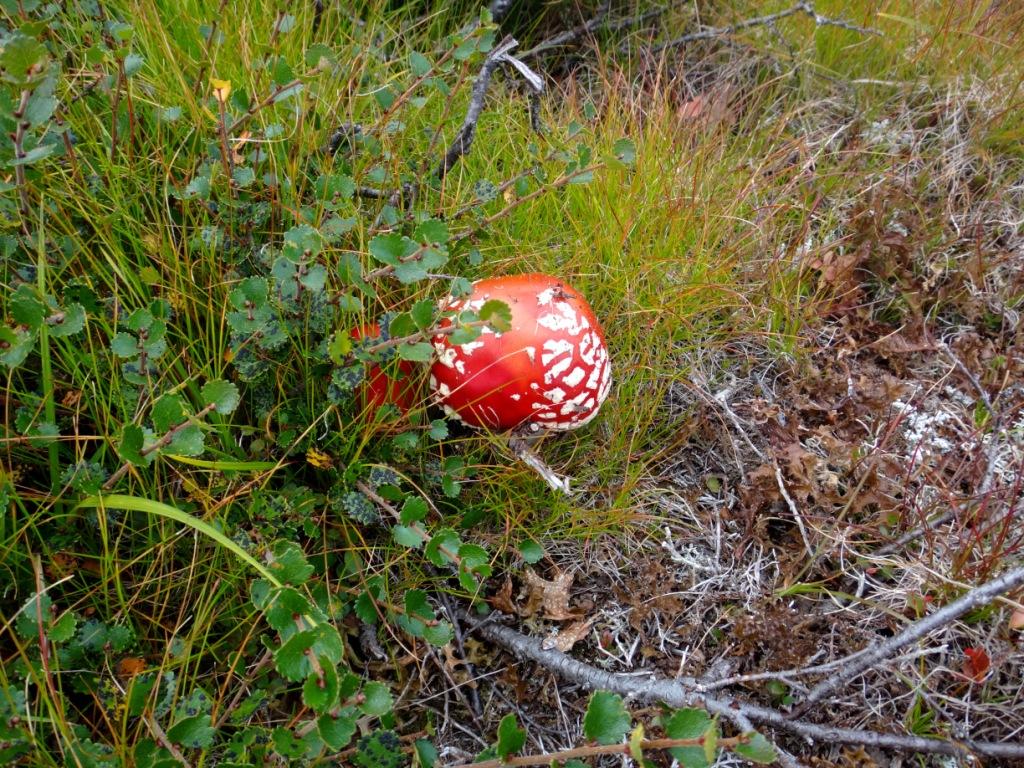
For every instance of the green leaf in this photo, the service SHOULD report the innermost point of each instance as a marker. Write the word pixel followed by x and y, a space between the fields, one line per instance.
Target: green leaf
pixel 420 352
pixel 377 699
pixel 124 345
pixel 130 448
pixel 385 97
pixel 289 564
pixel 416 604
pixel 392 248
pixel 339 347
pixel 411 271
pixel 407 536
pixel 413 510
pixel 320 693
pixel 422 314
pixel 132 64
pixel 41 105
pixel 301 243
pixel 711 743
pixel 221 394
pixel 625 151
pixel 338 729
pixel 463 335
pixel 280 606
pixel 426 754
pixel 193 732
pixel 757 750
pixel 140 320
pixel 25 308
pixel 66 322
pixel 401 324
pixel 497 314
pixel 438 429
pixel 439 634
pixel 23 60
pixel 287 746
pixel 167 413
pixel 511 737
pixel 15 346
pixel 199 187
pixel 689 724
pixel 431 232
pixel 442 547
pixel 243 176
pixel 38 152
pixel 531 551
pixel 315 278
pixel 419 64
pixel 606 720
pixel 292 658
pixel 188 442
pixel 251 291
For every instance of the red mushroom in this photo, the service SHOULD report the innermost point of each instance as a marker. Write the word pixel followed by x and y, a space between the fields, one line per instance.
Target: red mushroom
pixel 550 370
pixel 380 386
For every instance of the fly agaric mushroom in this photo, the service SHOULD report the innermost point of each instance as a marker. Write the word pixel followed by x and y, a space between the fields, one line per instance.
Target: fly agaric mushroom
pixel 378 388
pixel 549 370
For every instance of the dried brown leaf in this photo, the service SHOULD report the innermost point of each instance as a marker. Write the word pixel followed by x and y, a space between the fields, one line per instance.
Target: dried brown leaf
pixel 566 638
pixel 552 596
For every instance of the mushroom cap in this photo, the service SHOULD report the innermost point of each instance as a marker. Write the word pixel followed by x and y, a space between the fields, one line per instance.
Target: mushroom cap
pixel 550 370
pixel 380 385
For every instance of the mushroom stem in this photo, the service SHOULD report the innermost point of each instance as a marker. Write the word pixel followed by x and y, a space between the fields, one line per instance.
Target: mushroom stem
pixel 537 464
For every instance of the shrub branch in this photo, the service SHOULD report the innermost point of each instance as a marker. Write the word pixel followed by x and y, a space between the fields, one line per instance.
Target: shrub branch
pixel 859 662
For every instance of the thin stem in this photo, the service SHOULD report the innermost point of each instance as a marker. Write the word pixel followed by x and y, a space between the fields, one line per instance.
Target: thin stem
pixel 255 108
pixel 597 750
pixel 163 442
pixel 863 661
pixel 556 184
pixel 18 137
pixel 429 333
pixel 404 95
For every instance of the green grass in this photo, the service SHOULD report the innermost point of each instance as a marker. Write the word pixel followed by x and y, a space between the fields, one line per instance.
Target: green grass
pixel 693 247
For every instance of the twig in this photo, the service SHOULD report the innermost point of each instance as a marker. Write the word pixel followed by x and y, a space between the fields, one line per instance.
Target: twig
pixel 793 510
pixel 945 615
pixel 464 138
pixel 18 137
pixel 251 112
pixel 558 183
pixel 163 442
pixel 163 741
pixel 598 750
pixel 682 692
pixel 570 35
pixel 771 18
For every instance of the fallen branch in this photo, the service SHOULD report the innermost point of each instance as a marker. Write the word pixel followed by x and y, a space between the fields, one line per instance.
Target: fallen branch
pixel 864 660
pixel 802 7
pixel 682 692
